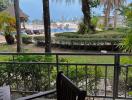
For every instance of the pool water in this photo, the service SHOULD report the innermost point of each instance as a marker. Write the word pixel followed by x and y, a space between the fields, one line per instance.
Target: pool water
pixel 59 30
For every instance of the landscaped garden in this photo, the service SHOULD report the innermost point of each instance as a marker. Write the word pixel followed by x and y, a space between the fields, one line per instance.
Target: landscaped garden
pixel 37 72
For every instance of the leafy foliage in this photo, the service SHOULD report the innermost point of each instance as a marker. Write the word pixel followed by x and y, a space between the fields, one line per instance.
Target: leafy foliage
pixel 7 26
pixel 7 23
pixel 83 29
pixel 94 3
pixel 30 76
pixel 127 41
pixel 94 20
pixel 39 38
pixel 126 11
pixel 80 79
pixel 126 44
pixel 3 4
pixel 88 41
pixel 104 34
pixel 27 39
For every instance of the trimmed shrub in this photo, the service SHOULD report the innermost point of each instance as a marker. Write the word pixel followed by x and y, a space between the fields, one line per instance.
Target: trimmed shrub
pixel 98 35
pixel 88 41
pixel 39 38
pixel 83 29
pixel 27 39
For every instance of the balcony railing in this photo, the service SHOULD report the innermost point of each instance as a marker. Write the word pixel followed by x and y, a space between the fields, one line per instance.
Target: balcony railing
pixel 101 75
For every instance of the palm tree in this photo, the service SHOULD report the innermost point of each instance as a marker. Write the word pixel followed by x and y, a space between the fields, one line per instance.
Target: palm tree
pixel 117 4
pixel 18 27
pixel 47 30
pixel 126 44
pixel 108 6
pixel 86 12
pixel 86 9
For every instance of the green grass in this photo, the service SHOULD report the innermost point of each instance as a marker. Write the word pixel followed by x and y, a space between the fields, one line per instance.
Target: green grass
pixel 130 93
pixel 4 58
pixel 89 59
pixel 7 48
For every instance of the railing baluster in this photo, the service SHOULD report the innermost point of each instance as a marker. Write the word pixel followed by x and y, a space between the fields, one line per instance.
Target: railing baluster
pixel 49 74
pixel 76 76
pixel 24 77
pixel 105 79
pixel 67 71
pixel 27 76
pixel 116 75
pixel 57 63
pixel 8 74
pixel 33 77
pixel 126 81
pixel 16 77
pixel 86 76
pixel 95 89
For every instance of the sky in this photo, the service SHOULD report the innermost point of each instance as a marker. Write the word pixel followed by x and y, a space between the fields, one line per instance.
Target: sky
pixel 58 10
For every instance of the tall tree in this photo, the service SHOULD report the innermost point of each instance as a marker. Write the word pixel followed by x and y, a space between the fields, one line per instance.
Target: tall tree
pixel 117 4
pixel 47 30
pixel 87 13
pixel 18 27
pixel 86 9
pixel 108 6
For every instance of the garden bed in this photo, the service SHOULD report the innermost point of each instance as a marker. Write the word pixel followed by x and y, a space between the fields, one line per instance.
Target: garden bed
pixel 107 40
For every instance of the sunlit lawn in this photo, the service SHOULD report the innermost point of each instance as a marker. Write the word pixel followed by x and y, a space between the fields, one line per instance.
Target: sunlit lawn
pixel 70 58
pixel 82 59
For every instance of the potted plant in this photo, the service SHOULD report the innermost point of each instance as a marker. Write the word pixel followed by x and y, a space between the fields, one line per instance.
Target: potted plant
pixel 7 26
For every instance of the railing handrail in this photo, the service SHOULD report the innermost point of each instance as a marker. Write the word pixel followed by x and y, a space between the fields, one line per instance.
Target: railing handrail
pixel 116 66
pixel 67 53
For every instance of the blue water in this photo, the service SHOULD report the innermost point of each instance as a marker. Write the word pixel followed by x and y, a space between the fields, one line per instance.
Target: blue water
pixel 63 30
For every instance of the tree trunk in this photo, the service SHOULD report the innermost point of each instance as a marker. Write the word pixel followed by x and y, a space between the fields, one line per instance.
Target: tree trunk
pixel 47 31
pixel 86 13
pixel 107 16
pixel 115 19
pixel 18 27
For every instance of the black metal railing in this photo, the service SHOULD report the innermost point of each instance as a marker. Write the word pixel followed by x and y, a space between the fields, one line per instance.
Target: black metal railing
pixel 101 75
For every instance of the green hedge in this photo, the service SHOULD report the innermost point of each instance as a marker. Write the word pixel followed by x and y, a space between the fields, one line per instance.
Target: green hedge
pixel 27 39
pixel 30 39
pixel 109 34
pixel 39 38
pixel 90 41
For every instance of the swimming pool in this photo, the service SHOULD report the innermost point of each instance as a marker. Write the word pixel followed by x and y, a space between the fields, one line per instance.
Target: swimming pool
pixel 58 30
